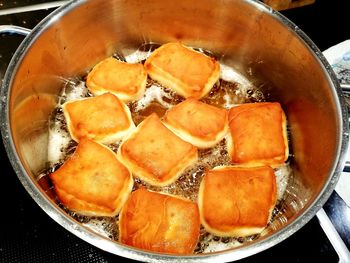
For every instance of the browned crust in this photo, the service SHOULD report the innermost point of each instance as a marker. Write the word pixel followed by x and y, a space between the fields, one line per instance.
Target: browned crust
pixel 159 222
pixel 154 154
pixel 188 72
pixel 104 118
pixel 258 134
pixel 237 201
pixel 201 124
pixel 125 80
pixel 92 181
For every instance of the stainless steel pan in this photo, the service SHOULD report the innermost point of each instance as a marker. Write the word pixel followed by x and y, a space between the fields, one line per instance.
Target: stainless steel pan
pixel 261 44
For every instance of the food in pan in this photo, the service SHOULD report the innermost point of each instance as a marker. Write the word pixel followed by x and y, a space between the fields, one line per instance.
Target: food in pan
pixel 216 152
pixel 92 181
pixel 159 222
pixel 155 154
pixel 237 201
pixel 182 69
pixel 258 134
pixel 126 80
pixel 104 118
pixel 198 123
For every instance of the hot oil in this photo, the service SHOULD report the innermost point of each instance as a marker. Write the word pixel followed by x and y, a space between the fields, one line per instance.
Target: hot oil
pixel 61 145
pixel 187 185
pixel 232 89
pixel 156 99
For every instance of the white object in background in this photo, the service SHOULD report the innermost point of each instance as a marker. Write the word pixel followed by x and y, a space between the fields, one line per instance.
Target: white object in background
pixel 30 8
pixel 339 58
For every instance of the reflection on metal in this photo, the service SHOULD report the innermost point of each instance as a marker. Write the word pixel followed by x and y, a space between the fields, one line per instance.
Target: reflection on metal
pixel 345 87
pixel 227 30
pixel 29 8
pixel 9 29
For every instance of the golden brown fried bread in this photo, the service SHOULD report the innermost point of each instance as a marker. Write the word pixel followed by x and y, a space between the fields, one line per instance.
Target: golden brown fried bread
pixel 258 134
pixel 155 154
pixel 159 222
pixel 126 80
pixel 186 71
pixel 237 201
pixel 104 118
pixel 198 123
pixel 93 182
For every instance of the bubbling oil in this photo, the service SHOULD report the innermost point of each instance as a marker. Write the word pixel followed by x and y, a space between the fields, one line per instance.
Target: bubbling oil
pixel 230 90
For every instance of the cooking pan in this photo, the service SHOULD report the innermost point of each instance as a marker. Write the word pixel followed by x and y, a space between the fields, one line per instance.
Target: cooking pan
pixel 259 43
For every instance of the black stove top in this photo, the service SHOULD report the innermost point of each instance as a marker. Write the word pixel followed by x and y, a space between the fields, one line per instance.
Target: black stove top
pixel 28 234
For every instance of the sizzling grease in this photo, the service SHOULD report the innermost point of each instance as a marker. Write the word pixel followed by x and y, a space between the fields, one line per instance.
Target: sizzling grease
pixel 231 89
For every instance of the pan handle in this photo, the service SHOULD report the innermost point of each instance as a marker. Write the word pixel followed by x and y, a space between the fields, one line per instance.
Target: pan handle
pixel 10 29
pixel 13 30
pixel 345 87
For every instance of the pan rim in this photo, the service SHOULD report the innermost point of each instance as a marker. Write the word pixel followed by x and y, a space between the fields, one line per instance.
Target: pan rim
pixel 121 250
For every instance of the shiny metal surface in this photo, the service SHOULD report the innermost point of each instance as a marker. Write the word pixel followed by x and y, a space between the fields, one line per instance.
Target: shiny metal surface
pixel 258 42
pixel 22 9
pixel 14 30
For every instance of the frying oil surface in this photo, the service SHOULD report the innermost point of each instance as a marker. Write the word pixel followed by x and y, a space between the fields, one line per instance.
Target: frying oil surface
pixel 230 90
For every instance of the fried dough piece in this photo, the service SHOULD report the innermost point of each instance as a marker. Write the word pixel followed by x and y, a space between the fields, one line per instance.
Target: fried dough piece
pixel 258 134
pixel 186 71
pixel 93 182
pixel 125 80
pixel 237 201
pixel 198 123
pixel 104 118
pixel 155 154
pixel 159 222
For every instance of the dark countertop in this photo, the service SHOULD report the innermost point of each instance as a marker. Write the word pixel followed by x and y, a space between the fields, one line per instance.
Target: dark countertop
pixel 28 234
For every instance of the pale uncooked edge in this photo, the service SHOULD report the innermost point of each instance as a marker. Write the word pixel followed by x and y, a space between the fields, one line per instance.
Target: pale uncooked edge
pixel 196 141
